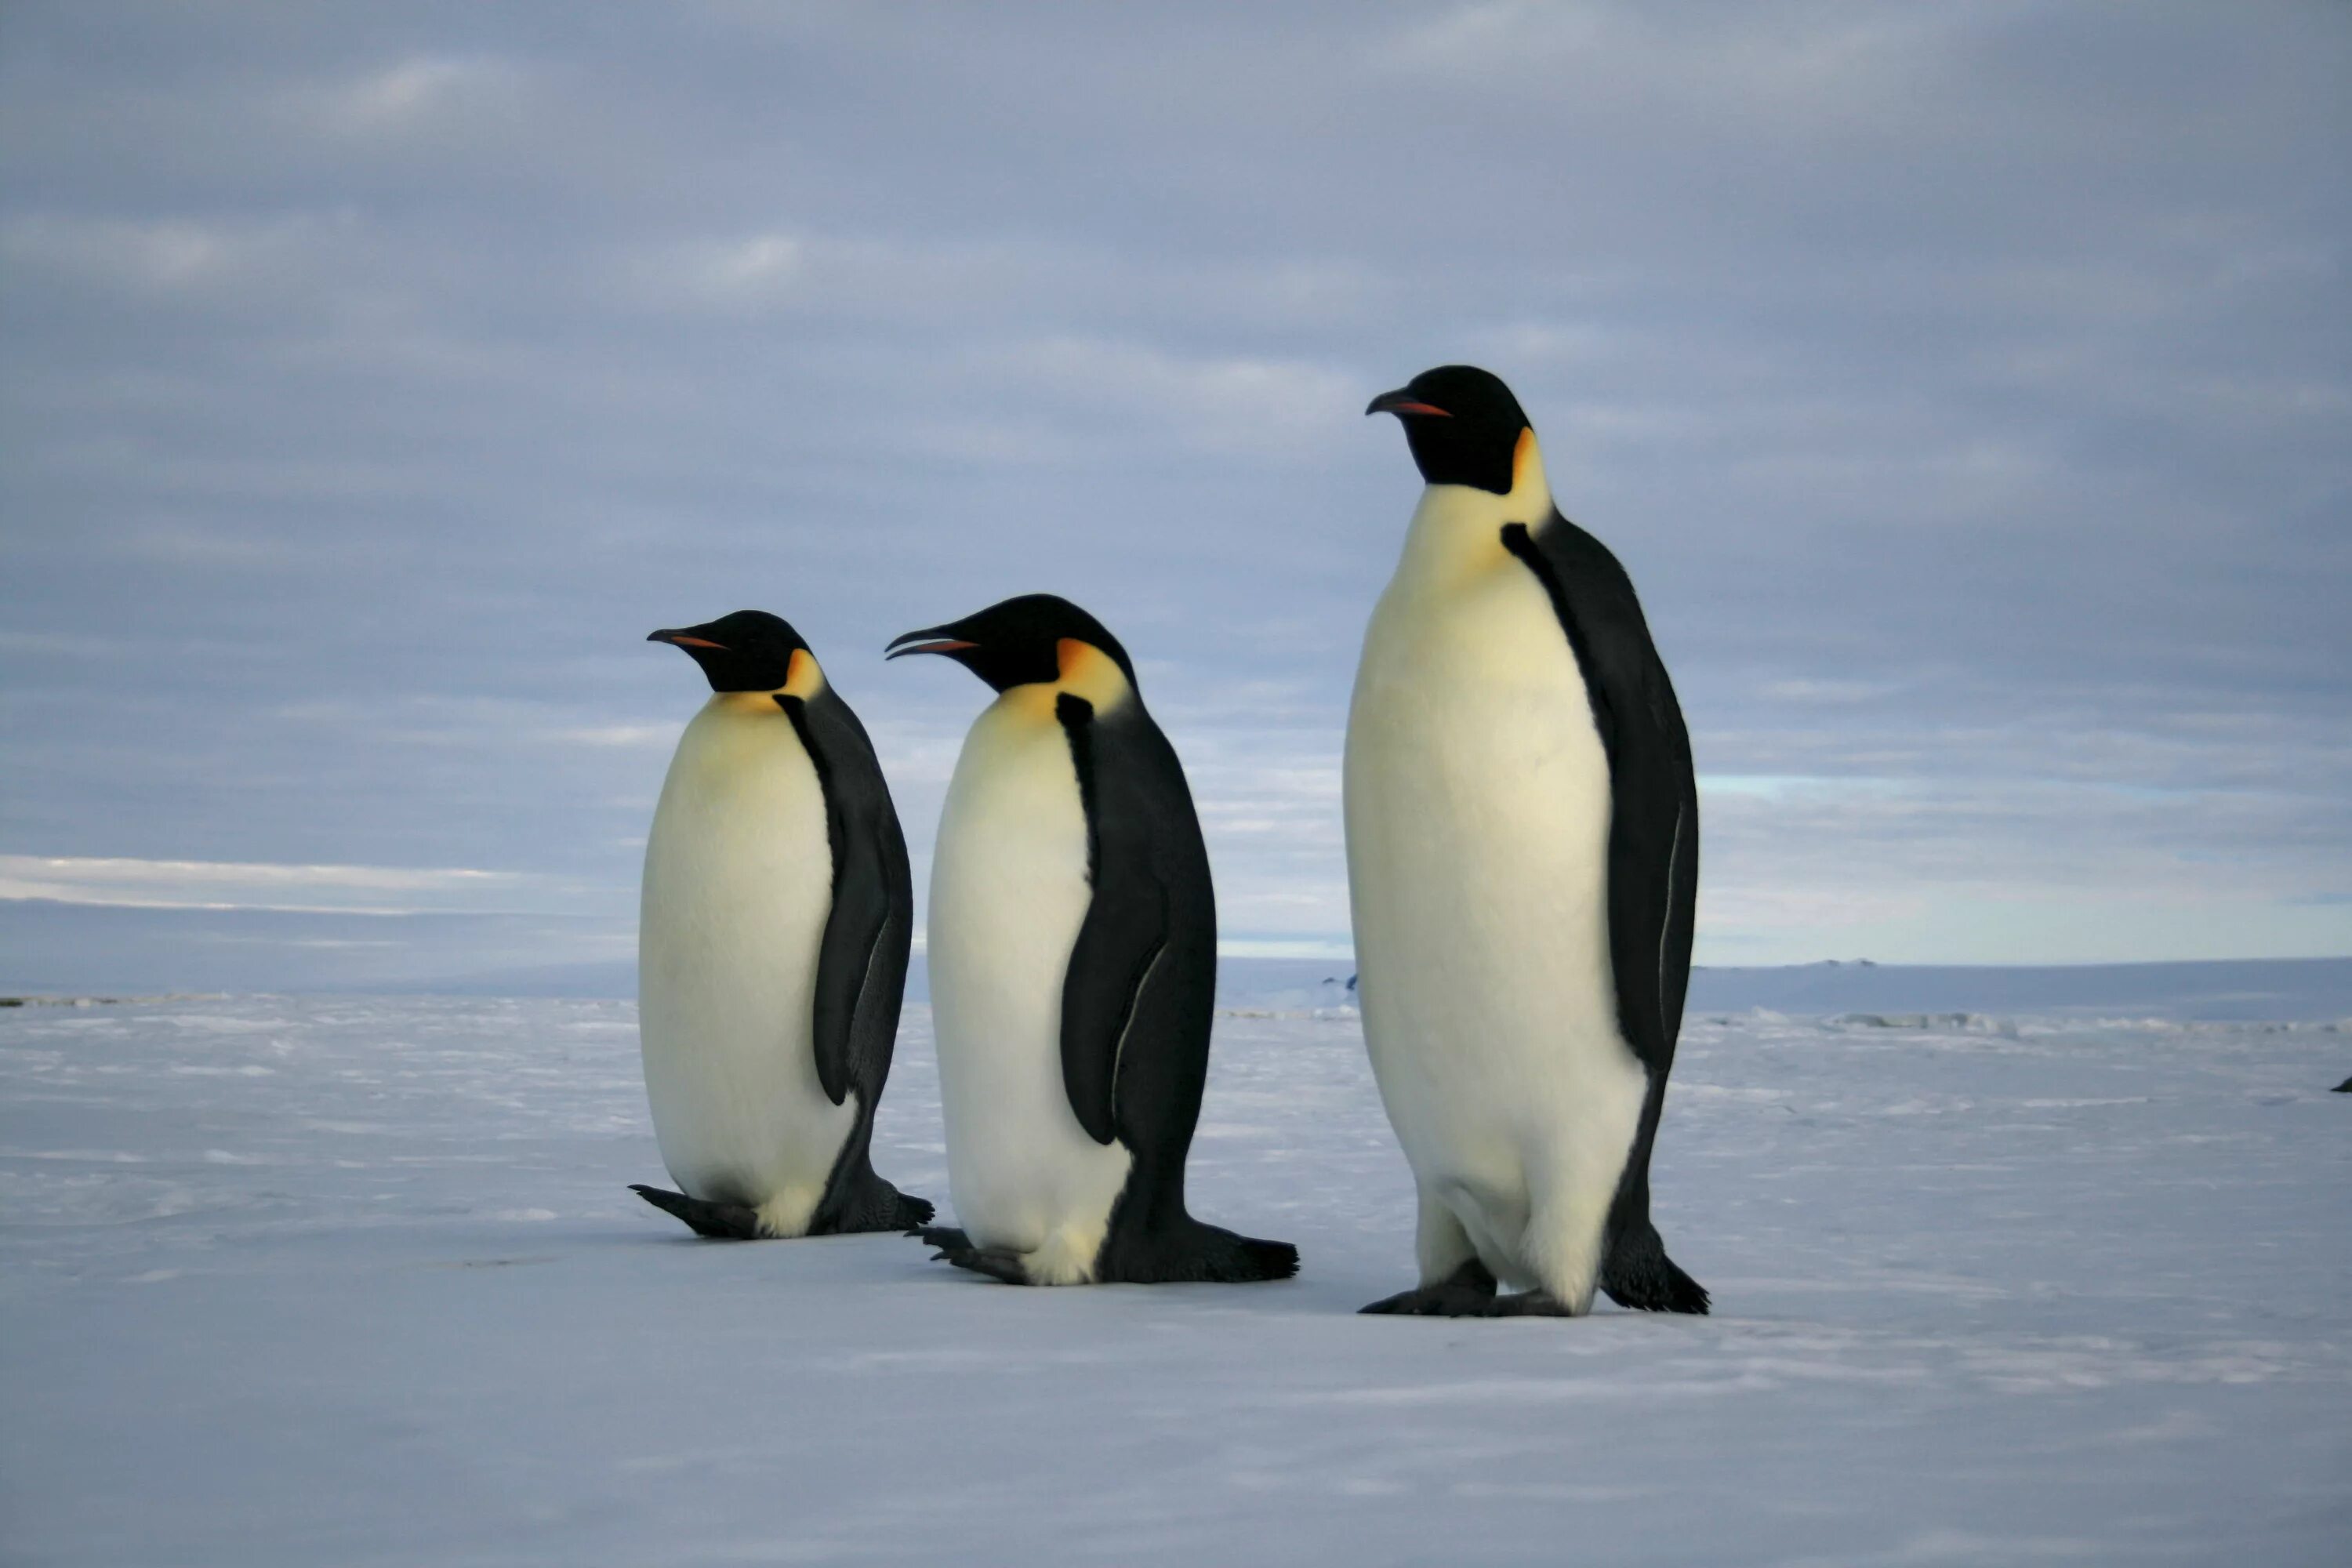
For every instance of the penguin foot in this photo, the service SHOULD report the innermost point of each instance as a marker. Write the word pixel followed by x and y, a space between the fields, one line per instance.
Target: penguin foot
pixel 1249 1260
pixel 1467 1292
pixel 1527 1304
pixel 955 1247
pixel 720 1222
pixel 996 1262
pixel 1194 1253
pixel 1641 1277
pixel 873 1205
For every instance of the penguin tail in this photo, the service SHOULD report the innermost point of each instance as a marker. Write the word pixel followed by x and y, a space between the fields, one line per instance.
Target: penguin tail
pixel 1640 1276
pixel 721 1222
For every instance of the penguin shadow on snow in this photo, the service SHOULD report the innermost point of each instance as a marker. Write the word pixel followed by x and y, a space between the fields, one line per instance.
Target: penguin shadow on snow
pixel 1073 967
pixel 773 934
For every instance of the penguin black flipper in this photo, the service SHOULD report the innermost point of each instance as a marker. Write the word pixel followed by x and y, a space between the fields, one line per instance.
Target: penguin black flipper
pixel 1652 862
pixel 873 892
pixel 1124 934
pixel 1138 1001
pixel 861 974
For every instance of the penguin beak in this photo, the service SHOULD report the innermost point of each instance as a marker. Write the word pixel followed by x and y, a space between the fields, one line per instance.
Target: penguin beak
pixel 1402 402
pixel 684 639
pixel 930 639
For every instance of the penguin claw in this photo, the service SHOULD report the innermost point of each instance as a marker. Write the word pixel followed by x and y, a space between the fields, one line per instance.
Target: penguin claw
pixel 946 1237
pixel 993 1262
pixel 996 1262
pixel 955 1247
pixel 720 1222
pixel 1467 1292
pixel 1453 1301
pixel 1445 1301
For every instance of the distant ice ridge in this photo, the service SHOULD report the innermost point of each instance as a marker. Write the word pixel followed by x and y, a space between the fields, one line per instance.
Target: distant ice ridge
pixel 1962 1023
pixel 1286 988
pixel 1909 996
pixel 104 1001
pixel 2274 990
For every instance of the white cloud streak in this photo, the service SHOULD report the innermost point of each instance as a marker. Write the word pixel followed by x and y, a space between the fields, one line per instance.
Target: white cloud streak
pixel 283 889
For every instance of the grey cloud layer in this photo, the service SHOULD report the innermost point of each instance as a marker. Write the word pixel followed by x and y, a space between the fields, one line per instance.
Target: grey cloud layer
pixel 1966 387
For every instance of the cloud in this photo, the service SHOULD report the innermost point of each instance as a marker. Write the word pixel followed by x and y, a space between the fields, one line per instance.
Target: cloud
pixel 1964 388
pixel 283 889
pixel 625 735
pixel 1267 407
pixel 759 268
pixel 168 255
pixel 1834 65
pixel 447 94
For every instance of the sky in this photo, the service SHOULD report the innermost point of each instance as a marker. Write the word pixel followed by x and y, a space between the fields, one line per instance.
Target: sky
pixel 1968 389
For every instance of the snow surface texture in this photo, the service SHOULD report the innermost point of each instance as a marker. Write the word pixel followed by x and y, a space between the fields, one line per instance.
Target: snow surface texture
pixel 321 1281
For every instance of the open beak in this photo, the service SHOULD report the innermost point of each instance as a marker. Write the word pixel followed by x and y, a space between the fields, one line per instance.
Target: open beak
pixel 684 639
pixel 931 640
pixel 1402 402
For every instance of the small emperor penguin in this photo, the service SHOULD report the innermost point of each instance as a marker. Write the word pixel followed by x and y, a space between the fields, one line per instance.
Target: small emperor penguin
pixel 771 949
pixel 1073 953
pixel 1523 864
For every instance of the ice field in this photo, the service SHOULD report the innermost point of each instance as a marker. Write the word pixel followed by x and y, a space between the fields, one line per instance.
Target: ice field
pixel 300 1281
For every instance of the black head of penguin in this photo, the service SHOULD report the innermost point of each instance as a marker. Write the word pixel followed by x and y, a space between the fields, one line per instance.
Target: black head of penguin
pixel 1016 643
pixel 1462 424
pixel 750 651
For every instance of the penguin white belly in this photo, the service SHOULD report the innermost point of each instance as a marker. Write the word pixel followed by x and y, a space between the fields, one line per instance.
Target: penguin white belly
pixel 738 885
pixel 1009 891
pixel 1478 800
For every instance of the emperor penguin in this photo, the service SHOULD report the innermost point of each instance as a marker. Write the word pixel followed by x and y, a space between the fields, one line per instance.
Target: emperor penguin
pixel 771 949
pixel 1072 944
pixel 1522 825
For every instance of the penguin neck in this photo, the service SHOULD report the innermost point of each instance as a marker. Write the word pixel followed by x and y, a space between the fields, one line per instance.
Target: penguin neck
pixel 803 678
pixel 1084 671
pixel 1458 530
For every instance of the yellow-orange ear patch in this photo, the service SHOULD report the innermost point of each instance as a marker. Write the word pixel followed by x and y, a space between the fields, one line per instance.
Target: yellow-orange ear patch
pixel 1087 671
pixel 1520 457
pixel 802 676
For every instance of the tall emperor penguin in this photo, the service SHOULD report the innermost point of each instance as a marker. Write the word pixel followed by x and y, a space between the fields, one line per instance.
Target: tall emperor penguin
pixel 1522 862
pixel 772 948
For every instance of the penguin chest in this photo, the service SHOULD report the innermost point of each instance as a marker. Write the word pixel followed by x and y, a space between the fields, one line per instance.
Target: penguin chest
pixel 1478 807
pixel 1009 892
pixel 737 885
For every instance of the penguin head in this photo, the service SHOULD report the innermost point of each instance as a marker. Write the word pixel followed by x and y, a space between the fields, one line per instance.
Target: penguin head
pixel 1462 424
pixel 1024 641
pixel 750 651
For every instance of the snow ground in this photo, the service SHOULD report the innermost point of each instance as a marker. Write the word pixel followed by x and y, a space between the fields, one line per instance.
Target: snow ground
pixel 358 1282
